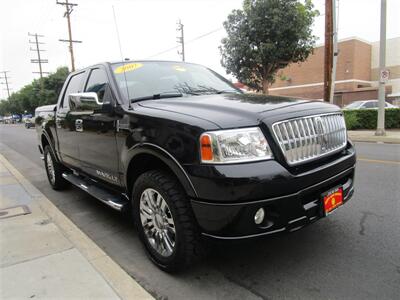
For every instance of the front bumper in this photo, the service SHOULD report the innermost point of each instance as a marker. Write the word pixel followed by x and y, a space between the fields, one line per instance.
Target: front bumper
pixel 291 201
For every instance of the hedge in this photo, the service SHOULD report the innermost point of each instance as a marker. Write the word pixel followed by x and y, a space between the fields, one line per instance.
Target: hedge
pixel 367 118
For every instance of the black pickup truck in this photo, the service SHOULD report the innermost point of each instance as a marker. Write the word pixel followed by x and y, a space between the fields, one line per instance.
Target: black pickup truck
pixel 191 157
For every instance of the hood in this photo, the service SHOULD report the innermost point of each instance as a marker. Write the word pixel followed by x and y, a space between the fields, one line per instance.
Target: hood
pixel 231 110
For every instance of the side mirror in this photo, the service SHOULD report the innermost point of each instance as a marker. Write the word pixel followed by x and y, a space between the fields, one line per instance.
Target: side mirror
pixel 84 102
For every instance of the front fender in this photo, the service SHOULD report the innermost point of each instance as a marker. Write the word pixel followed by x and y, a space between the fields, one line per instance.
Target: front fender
pixel 164 156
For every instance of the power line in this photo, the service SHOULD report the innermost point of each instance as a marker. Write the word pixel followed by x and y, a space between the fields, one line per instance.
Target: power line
pixel 181 39
pixel 39 60
pixel 5 77
pixel 188 42
pixel 68 10
pixel 204 35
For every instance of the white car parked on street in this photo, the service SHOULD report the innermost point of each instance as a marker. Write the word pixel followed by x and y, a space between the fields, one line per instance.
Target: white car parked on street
pixel 367 104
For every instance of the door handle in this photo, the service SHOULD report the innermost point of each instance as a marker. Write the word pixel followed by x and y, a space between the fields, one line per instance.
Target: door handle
pixel 79 125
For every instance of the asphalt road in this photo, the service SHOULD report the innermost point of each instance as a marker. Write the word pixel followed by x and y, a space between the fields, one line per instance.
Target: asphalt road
pixel 354 253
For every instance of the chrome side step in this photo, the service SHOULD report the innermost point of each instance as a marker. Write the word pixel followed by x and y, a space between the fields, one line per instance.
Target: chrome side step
pixel 116 202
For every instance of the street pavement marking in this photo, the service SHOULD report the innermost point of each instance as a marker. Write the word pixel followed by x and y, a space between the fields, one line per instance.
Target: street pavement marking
pixel 395 162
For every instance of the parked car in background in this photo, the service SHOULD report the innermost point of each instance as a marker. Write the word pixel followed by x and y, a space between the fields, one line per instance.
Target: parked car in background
pixel 7 119
pixel 16 119
pixel 367 104
pixel 29 122
pixel 11 119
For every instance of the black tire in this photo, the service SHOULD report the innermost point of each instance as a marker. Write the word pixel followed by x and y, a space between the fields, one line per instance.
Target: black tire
pixel 187 239
pixel 55 178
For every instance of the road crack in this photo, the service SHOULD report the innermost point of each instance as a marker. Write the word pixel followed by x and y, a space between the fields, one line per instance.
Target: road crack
pixel 246 287
pixel 363 219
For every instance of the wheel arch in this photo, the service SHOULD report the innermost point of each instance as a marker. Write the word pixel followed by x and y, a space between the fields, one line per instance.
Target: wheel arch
pixel 46 139
pixel 149 157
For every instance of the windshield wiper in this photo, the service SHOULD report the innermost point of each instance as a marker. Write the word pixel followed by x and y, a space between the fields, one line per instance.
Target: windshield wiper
pixel 214 91
pixel 227 92
pixel 158 96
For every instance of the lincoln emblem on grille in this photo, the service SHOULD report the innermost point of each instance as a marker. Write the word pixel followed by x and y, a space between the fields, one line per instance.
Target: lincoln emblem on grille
pixel 320 128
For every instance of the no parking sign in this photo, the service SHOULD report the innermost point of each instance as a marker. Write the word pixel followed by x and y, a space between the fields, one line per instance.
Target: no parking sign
pixel 384 76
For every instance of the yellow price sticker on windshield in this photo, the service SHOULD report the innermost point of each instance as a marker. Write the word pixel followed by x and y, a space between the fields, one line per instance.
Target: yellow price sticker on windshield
pixel 128 68
pixel 179 68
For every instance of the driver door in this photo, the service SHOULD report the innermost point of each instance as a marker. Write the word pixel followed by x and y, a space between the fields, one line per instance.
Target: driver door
pixel 97 147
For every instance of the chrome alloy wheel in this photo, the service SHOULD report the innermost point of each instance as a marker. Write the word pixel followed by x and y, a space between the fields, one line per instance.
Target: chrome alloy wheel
pixel 157 222
pixel 50 168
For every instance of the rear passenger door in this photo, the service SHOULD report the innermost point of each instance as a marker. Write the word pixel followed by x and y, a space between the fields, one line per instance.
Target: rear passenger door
pixel 68 138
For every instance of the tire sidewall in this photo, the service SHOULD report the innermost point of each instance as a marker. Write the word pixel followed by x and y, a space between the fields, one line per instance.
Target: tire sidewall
pixel 59 182
pixel 165 263
pixel 47 152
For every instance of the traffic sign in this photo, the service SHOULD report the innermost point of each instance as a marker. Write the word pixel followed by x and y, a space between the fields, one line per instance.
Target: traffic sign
pixel 384 76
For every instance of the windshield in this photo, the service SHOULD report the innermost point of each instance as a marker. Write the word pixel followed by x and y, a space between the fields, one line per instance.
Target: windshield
pixel 353 105
pixel 145 79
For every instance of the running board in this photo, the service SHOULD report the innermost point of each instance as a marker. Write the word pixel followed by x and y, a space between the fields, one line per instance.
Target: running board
pixel 117 202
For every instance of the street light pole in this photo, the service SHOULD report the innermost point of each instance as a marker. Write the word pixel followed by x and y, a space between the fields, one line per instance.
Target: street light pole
pixel 335 50
pixel 328 53
pixel 382 63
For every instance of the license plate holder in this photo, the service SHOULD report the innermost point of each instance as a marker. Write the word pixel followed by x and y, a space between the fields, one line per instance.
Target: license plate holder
pixel 331 200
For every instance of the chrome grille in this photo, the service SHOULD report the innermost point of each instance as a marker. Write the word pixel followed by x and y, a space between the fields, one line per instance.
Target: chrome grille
pixel 308 138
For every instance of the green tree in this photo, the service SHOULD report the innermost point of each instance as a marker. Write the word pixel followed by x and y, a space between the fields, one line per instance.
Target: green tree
pixel 266 36
pixel 40 92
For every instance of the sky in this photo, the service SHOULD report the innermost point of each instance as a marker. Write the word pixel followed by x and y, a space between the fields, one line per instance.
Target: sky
pixel 146 27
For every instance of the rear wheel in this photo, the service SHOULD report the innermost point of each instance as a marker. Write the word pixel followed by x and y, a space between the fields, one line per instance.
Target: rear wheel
pixel 54 170
pixel 165 221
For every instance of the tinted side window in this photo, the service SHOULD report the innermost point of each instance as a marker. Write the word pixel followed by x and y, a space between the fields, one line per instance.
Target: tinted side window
pixel 74 86
pixel 97 83
pixel 370 105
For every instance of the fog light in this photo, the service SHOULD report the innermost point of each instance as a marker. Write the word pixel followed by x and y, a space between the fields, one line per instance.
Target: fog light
pixel 259 216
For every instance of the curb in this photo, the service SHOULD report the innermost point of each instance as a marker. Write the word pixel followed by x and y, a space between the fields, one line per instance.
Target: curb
pixel 368 136
pixel 123 284
pixel 376 140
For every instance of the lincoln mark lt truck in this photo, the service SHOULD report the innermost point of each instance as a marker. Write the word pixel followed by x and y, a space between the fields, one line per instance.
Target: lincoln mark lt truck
pixel 190 157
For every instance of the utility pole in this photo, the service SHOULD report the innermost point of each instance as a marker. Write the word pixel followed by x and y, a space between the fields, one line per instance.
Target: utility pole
pixel 380 130
pixel 335 49
pixel 39 60
pixel 181 39
pixel 5 77
pixel 68 11
pixel 328 50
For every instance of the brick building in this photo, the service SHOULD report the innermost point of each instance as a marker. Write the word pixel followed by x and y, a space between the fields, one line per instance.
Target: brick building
pixel 356 76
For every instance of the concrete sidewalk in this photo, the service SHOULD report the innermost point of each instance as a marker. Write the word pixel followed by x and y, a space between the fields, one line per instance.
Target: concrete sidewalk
pixel 43 255
pixel 391 137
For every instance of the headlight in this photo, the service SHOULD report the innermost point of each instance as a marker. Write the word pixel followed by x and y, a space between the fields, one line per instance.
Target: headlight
pixel 236 145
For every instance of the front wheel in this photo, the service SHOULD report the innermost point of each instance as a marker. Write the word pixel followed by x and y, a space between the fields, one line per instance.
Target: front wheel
pixel 54 170
pixel 165 221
